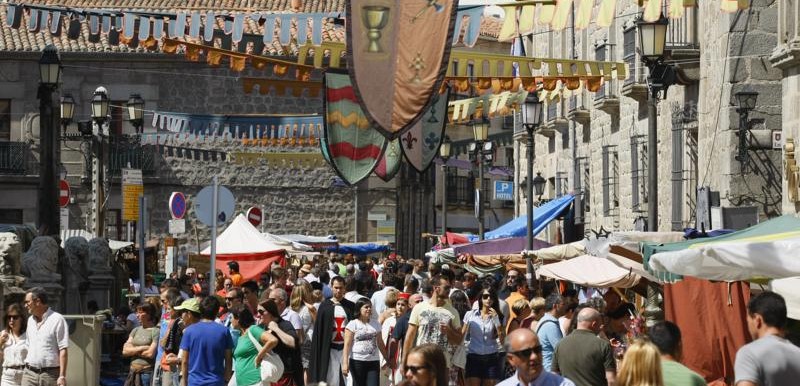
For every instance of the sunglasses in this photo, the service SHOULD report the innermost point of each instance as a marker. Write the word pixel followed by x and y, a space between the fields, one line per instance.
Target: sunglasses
pixel 201 278
pixel 486 296
pixel 14 316
pixel 415 369
pixel 261 311
pixel 526 353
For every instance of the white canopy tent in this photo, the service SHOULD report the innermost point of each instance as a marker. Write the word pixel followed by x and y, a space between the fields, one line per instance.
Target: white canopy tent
pixel 592 271
pixel 241 237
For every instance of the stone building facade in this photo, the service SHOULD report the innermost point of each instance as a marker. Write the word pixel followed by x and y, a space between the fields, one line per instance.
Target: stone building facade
pixel 595 144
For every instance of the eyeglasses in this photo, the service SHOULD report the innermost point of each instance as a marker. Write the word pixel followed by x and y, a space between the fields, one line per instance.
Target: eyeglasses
pixel 14 316
pixel 415 369
pixel 526 353
pixel 261 311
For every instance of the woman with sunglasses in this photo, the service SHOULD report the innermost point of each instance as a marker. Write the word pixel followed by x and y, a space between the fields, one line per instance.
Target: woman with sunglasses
pixel 362 344
pixel 246 355
pixel 426 366
pixel 483 329
pixel 287 347
pixel 15 345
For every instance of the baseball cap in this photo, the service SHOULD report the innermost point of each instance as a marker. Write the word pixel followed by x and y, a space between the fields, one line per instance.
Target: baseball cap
pixel 192 305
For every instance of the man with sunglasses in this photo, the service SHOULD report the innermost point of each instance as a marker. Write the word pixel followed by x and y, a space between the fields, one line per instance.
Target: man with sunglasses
pixel 583 356
pixel 524 352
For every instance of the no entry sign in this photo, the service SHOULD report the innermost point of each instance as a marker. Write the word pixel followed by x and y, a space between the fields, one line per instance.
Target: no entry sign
pixel 177 205
pixel 255 216
pixel 63 193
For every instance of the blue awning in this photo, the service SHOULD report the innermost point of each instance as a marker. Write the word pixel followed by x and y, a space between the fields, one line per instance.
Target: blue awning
pixel 360 248
pixel 541 217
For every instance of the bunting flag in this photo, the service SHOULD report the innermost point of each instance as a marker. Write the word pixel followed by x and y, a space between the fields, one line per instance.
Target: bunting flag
pixel 266 86
pixel 420 144
pixel 289 160
pixel 410 41
pixel 389 164
pixel 192 153
pixel 151 24
pixel 354 150
pixel 487 106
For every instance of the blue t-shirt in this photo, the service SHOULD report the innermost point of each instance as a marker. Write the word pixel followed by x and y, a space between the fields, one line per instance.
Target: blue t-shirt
pixel 206 343
pixel 549 332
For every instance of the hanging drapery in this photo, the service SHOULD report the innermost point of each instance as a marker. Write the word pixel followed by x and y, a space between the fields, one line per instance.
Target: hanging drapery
pixel 354 149
pixel 297 160
pixel 420 144
pixel 485 106
pixel 407 40
pixel 265 86
pixel 389 164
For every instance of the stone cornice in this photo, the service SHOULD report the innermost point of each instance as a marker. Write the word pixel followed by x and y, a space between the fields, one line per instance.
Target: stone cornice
pixel 786 56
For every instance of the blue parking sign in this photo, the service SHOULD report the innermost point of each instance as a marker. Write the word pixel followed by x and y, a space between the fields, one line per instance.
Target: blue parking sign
pixel 504 190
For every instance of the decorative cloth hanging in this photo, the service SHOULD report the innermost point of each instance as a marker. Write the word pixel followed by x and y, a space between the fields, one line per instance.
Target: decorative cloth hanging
pixel 409 39
pixel 389 164
pixel 420 144
pixel 354 146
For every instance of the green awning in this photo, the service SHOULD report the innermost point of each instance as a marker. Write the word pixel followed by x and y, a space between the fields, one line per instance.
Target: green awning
pixel 782 224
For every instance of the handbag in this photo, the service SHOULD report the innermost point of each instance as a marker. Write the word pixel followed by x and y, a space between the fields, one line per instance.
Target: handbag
pixel 459 358
pixel 271 367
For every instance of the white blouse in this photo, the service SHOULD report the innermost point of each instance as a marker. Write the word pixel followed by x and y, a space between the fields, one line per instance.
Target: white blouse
pixel 15 350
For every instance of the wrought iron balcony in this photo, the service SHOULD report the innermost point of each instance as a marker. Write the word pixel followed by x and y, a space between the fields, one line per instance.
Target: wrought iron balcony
pixel 16 159
pixel 128 154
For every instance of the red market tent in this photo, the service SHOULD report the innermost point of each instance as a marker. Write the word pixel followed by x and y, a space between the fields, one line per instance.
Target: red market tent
pixel 243 243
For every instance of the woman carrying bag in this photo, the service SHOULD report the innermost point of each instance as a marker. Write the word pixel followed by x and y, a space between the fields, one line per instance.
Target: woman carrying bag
pixel 253 345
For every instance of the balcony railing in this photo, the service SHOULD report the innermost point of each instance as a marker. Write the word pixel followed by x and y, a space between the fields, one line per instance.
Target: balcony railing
pixel 682 31
pixel 15 158
pixel 461 190
pixel 123 154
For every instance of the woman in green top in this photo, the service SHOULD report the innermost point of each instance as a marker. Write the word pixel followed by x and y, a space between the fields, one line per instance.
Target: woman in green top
pixel 142 344
pixel 245 354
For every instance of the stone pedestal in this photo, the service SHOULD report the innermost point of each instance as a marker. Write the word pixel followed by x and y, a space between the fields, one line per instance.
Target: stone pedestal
pixel 99 290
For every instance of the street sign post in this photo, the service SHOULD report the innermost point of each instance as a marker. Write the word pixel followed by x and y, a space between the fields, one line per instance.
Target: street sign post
pixel 255 216
pixel 132 188
pixel 63 193
pixel 204 201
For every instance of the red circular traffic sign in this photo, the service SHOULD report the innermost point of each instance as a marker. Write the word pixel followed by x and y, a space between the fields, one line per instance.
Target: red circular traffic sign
pixel 63 193
pixel 177 205
pixel 255 216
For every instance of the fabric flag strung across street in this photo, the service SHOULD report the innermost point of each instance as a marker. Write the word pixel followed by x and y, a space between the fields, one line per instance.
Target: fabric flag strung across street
pixel 488 105
pixel 389 164
pixel 354 146
pixel 238 126
pixel 408 40
pixel 420 144
pixel 192 154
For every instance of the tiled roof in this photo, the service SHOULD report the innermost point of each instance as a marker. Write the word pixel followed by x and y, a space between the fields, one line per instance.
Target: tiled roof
pixel 21 40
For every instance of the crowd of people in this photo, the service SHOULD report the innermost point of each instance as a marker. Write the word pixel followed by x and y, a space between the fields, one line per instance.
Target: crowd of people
pixel 350 321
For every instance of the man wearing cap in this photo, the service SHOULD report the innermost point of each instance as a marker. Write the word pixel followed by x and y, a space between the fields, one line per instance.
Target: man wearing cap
pixel 233 273
pixel 206 348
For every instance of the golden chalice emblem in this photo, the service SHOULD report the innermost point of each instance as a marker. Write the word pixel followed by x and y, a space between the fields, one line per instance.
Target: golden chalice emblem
pixel 375 18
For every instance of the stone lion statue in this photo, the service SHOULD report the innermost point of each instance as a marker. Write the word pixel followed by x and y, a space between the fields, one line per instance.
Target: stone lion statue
pixel 99 255
pixel 10 251
pixel 40 263
pixel 76 251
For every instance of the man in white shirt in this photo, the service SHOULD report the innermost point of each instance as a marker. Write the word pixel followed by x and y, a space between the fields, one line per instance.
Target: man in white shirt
pixel 48 340
pixel 379 297
pixel 281 299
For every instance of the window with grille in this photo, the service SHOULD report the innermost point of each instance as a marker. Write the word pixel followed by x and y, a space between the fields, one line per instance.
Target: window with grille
pixel 562 184
pixel 610 180
pixel 5 119
pixel 117 111
pixel 639 173
pixel 629 53
pixel 600 56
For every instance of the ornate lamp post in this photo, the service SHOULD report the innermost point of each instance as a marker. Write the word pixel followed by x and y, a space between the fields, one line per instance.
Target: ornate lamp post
pixel 746 100
pixel 653 38
pixel 480 132
pixel 49 154
pixel 100 104
pixel 444 154
pixel 531 119
pixel 135 107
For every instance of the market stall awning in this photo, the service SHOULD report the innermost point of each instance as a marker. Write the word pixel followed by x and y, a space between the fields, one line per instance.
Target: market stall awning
pixel 541 217
pixel 361 248
pixel 591 271
pixel 789 288
pixel 561 251
pixel 243 243
pixel 498 246
pixel 289 245
pixel 757 251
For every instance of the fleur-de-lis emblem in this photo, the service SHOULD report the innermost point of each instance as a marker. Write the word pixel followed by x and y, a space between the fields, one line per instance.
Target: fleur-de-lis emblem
pixel 432 140
pixel 409 140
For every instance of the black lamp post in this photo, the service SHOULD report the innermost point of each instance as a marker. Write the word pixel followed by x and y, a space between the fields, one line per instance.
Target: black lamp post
pixel 49 79
pixel 746 100
pixel 538 185
pixel 480 132
pixel 653 39
pixel 135 106
pixel 444 154
pixel 531 119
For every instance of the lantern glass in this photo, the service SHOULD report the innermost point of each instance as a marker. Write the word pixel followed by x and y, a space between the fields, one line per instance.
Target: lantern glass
pixel 532 110
pixel 50 66
pixel 445 148
pixel 100 103
pixel 67 107
pixel 538 184
pixel 746 99
pixel 480 131
pixel 135 107
pixel 653 38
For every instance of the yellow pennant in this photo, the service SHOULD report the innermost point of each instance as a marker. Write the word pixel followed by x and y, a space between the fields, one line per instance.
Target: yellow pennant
pixel 546 13
pixel 605 15
pixel 652 10
pixel 675 10
pixel 584 15
pixel 561 14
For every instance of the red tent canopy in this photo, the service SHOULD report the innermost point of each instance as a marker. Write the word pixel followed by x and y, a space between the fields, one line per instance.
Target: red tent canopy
pixel 243 243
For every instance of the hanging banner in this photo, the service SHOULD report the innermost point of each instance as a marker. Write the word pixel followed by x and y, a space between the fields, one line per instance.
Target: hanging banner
pixel 354 146
pixel 486 106
pixel 409 39
pixel 265 86
pixel 389 164
pixel 294 160
pixel 420 144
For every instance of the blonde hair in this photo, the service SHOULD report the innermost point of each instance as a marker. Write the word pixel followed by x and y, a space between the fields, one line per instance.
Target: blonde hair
pixel 519 306
pixel 537 304
pixel 641 365
pixel 391 298
pixel 301 293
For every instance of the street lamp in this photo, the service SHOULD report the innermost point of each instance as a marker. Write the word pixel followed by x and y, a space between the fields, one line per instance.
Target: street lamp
pixel 444 154
pixel 49 78
pixel 99 116
pixel 67 111
pixel 100 105
pixel 531 119
pixel 482 150
pixel 135 106
pixel 653 40
pixel 746 100
pixel 538 185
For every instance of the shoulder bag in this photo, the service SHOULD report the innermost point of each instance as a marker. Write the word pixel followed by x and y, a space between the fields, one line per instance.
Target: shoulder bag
pixel 271 366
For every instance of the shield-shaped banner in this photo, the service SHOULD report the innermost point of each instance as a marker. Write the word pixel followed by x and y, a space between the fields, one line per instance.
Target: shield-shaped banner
pixel 354 146
pixel 397 55
pixel 389 164
pixel 421 143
